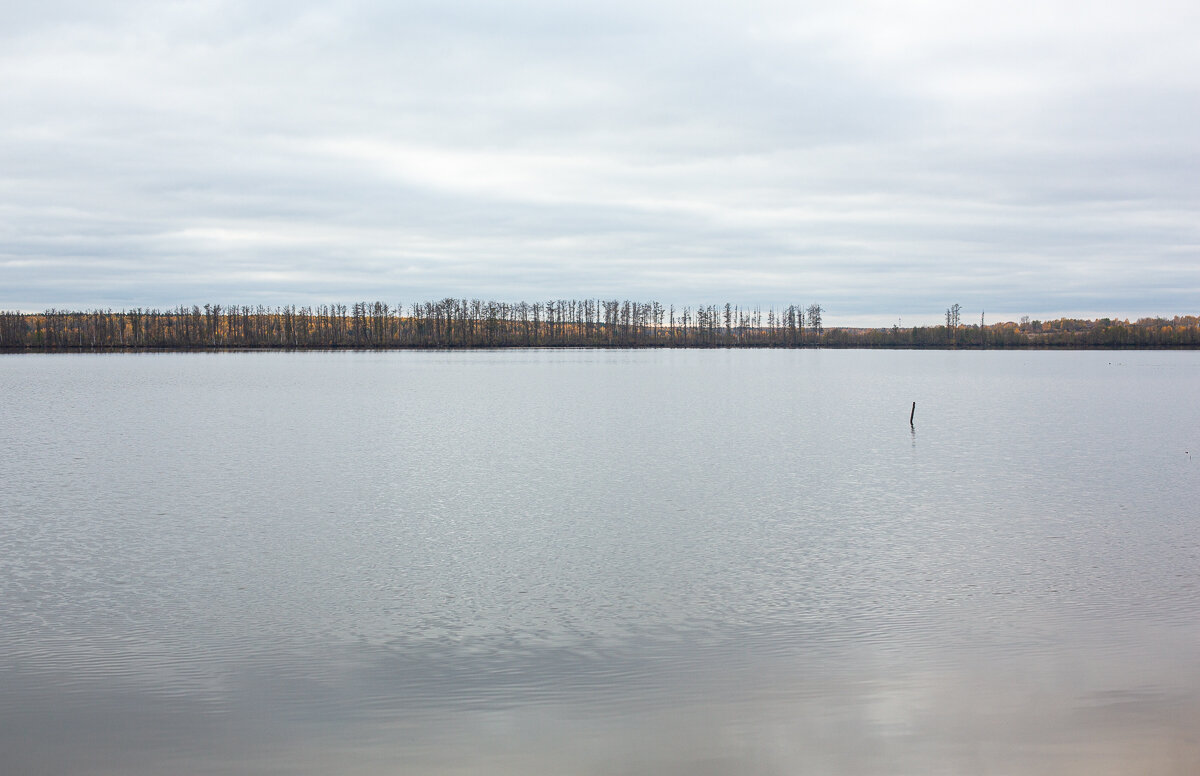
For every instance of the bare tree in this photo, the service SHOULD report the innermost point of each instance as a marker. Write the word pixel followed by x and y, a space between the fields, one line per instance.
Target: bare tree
pixel 814 319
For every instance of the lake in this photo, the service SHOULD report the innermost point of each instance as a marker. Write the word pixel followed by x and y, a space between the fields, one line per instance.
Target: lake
pixel 600 562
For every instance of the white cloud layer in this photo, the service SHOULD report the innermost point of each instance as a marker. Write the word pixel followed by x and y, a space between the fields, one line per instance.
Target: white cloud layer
pixel 885 159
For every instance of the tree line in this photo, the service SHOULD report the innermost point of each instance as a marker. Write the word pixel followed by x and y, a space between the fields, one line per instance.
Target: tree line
pixel 448 323
pixel 463 323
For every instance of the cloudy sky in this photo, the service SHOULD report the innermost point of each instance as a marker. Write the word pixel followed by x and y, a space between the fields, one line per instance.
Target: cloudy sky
pixel 885 159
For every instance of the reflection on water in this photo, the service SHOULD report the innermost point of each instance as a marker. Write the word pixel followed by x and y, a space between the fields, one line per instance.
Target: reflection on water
pixel 599 562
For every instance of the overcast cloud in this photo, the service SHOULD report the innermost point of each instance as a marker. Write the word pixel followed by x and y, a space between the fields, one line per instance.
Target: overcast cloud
pixel 885 159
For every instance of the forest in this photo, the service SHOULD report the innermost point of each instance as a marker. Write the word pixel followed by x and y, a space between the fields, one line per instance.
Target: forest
pixel 593 323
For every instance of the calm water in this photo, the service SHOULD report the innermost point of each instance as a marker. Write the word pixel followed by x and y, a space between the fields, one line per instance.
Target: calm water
pixel 600 562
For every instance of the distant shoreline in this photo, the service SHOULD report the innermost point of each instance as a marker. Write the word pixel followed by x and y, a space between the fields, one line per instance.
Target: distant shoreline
pixel 18 350
pixel 474 325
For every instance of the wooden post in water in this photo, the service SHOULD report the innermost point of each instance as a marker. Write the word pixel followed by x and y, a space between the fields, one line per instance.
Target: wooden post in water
pixel 912 414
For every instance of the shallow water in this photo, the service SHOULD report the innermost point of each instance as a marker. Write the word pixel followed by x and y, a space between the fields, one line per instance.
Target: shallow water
pixel 600 562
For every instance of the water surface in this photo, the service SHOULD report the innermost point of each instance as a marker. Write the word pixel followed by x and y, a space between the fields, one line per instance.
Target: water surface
pixel 600 562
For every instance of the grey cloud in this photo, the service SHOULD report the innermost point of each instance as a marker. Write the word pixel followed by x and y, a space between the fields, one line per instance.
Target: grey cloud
pixel 765 153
